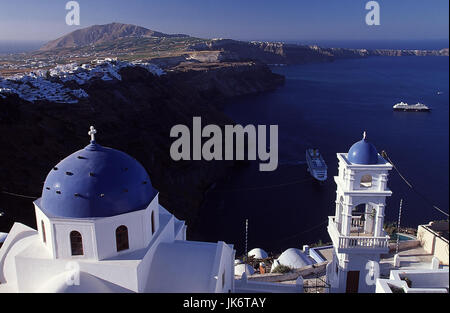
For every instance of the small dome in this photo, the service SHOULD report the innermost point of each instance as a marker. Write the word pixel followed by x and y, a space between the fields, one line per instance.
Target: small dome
pixel 258 253
pixel 294 258
pixel 363 152
pixel 96 182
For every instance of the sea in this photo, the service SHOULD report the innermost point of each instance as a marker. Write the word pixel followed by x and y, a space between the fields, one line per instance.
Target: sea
pixel 15 46
pixel 328 106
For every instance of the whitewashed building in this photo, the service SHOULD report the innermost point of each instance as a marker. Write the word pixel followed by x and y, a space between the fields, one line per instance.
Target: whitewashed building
pixel 356 229
pixel 100 228
pixel 415 281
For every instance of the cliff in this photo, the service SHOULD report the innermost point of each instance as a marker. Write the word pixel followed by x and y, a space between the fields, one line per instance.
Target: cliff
pixel 281 53
pixel 133 115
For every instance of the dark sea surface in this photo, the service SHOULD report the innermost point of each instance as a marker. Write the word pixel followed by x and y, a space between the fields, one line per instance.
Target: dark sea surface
pixel 328 106
pixel 430 44
pixel 10 46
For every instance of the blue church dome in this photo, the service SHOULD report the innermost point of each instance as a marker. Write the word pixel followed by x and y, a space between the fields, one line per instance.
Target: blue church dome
pixel 96 182
pixel 363 152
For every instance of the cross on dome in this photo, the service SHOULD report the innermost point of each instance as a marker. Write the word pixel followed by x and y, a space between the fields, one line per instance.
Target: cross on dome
pixel 364 135
pixel 92 133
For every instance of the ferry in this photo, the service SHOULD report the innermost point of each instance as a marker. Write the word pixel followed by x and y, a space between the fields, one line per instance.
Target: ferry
pixel 316 165
pixel 418 107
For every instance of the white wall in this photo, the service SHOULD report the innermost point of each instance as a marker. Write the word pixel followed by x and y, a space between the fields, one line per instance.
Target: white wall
pixel 433 243
pixel 225 265
pixel 33 273
pixel 423 281
pixel 18 238
pixel 62 230
pixel 353 262
pixel 164 233
pixel 98 234
pixel 49 231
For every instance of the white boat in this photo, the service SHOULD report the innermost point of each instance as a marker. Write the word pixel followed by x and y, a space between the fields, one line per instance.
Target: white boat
pixel 316 164
pixel 418 107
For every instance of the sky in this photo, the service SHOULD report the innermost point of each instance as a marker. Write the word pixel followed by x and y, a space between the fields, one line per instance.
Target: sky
pixel 284 20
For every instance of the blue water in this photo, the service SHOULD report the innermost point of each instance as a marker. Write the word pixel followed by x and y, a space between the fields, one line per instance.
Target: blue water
pixel 328 106
pixel 10 46
pixel 431 44
pixel 424 44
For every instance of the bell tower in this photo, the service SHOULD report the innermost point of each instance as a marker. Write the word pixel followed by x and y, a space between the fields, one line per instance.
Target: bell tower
pixel 356 229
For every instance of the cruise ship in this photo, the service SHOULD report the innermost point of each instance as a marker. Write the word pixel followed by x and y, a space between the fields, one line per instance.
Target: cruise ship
pixel 418 107
pixel 316 164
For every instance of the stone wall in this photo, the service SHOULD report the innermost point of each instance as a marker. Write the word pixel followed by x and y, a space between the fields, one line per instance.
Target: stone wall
pixel 304 271
pixel 434 243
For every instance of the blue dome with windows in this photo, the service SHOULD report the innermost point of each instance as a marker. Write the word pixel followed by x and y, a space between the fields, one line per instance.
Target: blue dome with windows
pixel 96 182
pixel 363 152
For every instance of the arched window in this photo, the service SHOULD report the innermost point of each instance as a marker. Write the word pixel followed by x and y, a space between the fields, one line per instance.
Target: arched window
pixel 366 181
pixel 76 243
pixel 122 238
pixel 44 239
pixel 153 222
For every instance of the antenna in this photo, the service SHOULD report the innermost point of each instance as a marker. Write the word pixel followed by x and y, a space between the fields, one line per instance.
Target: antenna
pixel 398 225
pixel 246 237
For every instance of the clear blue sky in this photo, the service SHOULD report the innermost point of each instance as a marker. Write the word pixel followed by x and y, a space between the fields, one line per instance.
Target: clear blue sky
pixel 237 19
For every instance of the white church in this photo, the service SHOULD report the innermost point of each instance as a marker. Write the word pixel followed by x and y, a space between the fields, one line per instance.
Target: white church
pixel 356 229
pixel 102 229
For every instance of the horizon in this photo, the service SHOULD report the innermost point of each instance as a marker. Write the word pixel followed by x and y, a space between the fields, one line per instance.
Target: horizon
pixel 25 46
pixel 407 20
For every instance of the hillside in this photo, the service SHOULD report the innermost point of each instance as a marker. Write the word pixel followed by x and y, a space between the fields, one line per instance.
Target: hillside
pixel 134 43
pixel 99 34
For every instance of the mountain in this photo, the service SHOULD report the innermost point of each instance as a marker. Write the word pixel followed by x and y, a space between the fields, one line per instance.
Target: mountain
pixel 98 34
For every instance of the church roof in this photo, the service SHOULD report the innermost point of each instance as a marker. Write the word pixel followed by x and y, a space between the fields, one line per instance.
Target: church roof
pixel 96 182
pixel 363 152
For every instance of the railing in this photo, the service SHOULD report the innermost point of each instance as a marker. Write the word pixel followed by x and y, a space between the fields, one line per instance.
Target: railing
pixel 363 242
pixel 357 222
pixel 350 242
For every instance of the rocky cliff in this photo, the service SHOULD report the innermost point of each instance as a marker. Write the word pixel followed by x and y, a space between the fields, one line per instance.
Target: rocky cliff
pixel 281 53
pixel 134 115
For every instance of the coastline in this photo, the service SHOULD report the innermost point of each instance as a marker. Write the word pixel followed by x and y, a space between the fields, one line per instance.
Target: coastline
pixel 198 82
pixel 151 104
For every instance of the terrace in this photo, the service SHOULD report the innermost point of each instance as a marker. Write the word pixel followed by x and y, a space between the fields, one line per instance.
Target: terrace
pixel 358 240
